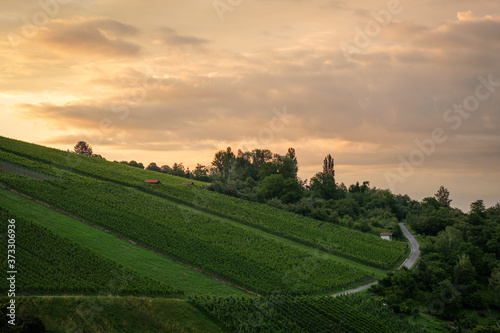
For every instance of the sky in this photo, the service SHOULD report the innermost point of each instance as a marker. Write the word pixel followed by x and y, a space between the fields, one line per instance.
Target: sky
pixel 404 94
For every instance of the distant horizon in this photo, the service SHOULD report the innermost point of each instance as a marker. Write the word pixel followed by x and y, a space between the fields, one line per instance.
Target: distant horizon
pixel 464 205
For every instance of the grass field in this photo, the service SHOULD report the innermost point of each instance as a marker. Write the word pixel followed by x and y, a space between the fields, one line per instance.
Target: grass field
pixel 115 314
pixel 140 260
pixel 377 273
pixel 353 245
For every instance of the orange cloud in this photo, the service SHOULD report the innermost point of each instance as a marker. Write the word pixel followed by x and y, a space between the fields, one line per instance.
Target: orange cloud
pixel 94 37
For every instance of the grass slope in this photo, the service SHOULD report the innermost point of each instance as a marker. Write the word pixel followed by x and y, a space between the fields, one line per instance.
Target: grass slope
pixel 48 263
pixel 351 244
pixel 143 262
pixel 288 314
pixel 115 314
pixel 230 252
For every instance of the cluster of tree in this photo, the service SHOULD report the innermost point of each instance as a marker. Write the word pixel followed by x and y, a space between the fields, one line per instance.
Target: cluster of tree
pixel 83 148
pixel 260 175
pixel 458 276
pixel 257 175
pixel 201 172
pixel 460 266
pixel 263 176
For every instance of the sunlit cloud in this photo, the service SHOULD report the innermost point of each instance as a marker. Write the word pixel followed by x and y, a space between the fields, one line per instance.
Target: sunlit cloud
pixel 173 83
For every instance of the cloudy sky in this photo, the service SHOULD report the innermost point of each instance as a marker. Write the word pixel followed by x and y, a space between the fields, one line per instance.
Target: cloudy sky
pixel 405 94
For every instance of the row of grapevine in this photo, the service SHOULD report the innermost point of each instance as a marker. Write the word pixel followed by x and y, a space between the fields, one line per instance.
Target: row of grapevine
pixel 286 314
pixel 243 257
pixel 49 264
pixel 364 248
pixel 375 308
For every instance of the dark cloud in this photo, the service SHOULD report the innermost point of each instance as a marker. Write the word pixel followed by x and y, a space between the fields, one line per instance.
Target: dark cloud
pixel 366 112
pixel 170 37
pixel 90 37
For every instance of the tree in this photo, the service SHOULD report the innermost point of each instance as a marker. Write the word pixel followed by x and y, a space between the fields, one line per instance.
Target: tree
pixel 328 165
pixel 223 160
pixel 271 187
pixel 153 167
pixel 464 271
pixel 200 172
pixel 166 169
pixel 477 207
pixel 494 281
pixel 356 188
pixel 448 241
pixel 443 197
pixel 448 300
pixel 281 165
pixel 275 186
pixel 291 155
pixel 83 148
pixel 292 191
pixel 323 184
pixel 178 169
pixel 136 165
pixel 261 156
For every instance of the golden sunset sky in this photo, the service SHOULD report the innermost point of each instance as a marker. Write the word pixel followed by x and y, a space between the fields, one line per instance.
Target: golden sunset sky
pixel 404 94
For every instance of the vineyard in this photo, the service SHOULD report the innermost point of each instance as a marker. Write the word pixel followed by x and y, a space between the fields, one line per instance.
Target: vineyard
pixel 287 314
pixel 53 265
pixel 375 308
pixel 288 259
pixel 354 245
pixel 240 256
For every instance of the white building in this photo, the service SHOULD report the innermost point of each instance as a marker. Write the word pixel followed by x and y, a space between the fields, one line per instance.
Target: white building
pixel 386 235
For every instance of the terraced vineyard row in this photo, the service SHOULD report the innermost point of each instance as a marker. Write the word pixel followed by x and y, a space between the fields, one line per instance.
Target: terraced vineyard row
pixel 286 314
pixel 243 257
pixel 365 248
pixel 49 264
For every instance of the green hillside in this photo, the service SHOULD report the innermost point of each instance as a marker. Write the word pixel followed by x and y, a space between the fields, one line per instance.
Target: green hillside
pixel 240 256
pixel 288 314
pixel 49 264
pixel 365 248
pixel 122 252
pixel 114 314
pixel 81 219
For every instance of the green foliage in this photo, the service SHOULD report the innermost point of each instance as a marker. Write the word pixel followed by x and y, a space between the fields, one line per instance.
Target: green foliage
pixel 351 244
pixel 83 148
pixel 153 167
pixel 222 161
pixel 323 185
pixel 135 164
pixel 52 265
pixel 280 313
pixel 464 271
pixel 276 186
pixel 398 289
pixel 374 307
pixel 201 173
pixel 435 219
pixel 443 197
pixel 112 314
pixel 243 257
pixel 494 282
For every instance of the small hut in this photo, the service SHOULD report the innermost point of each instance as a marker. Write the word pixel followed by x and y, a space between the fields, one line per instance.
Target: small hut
pixel 386 235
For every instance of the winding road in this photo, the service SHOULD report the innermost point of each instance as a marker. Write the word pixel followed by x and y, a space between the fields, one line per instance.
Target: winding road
pixel 415 248
pixel 408 263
